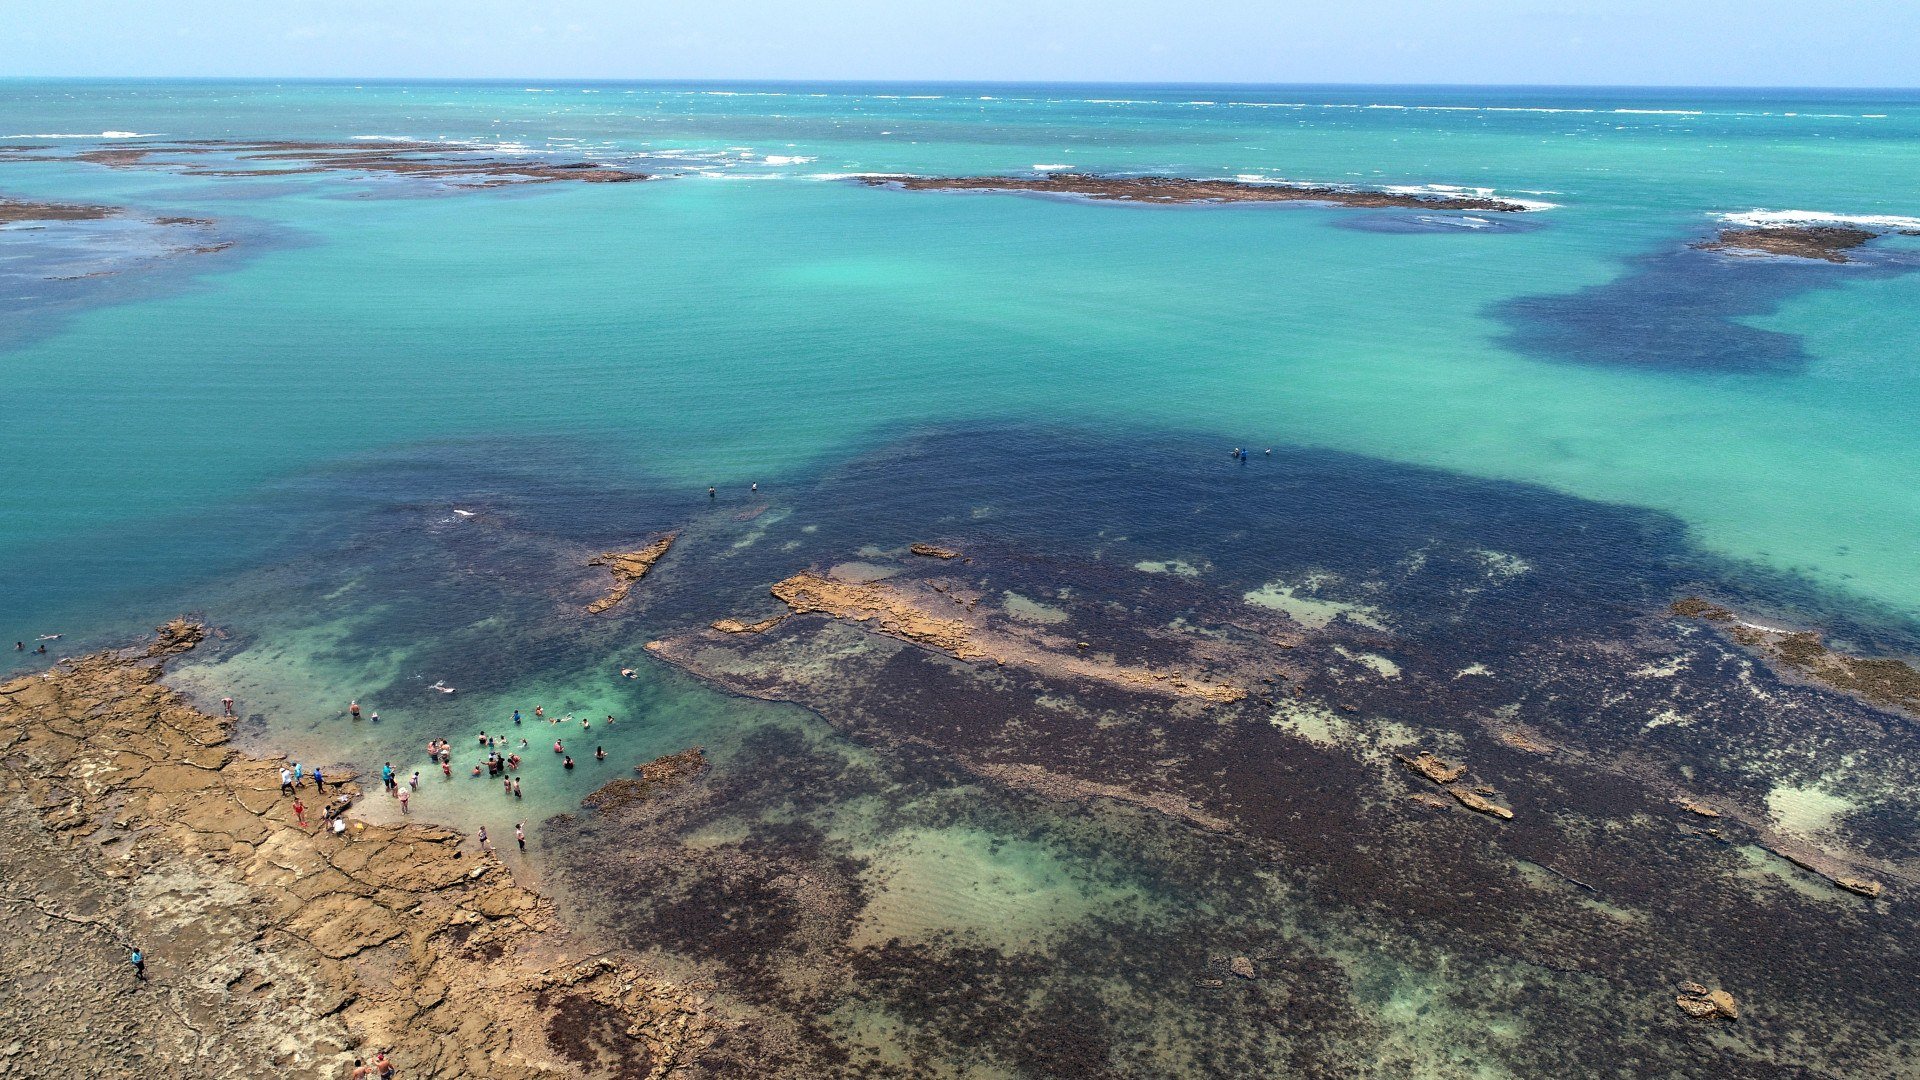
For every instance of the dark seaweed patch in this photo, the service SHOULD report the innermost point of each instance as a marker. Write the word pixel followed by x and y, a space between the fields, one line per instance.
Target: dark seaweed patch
pixel 1683 309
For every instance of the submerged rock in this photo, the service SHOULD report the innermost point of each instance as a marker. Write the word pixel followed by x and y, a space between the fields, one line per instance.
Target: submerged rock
pixel 735 626
pixel 1241 966
pixel 933 551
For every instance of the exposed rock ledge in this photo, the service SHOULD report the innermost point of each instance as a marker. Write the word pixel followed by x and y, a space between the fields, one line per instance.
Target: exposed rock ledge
pixel 13 211
pixel 1701 1003
pixel 1448 775
pixel 1883 681
pixel 627 567
pixel 272 949
pixel 1829 243
pixel 454 164
pixel 901 611
pixel 1174 189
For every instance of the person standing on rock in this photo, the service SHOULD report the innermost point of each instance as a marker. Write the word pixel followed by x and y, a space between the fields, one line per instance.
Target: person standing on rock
pixel 299 812
pixel 386 778
pixel 139 962
pixel 361 1070
pixel 383 1066
pixel 319 781
pixel 286 780
pixel 227 704
pixel 482 837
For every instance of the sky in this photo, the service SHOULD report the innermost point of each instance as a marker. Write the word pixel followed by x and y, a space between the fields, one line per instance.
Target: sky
pixel 1872 43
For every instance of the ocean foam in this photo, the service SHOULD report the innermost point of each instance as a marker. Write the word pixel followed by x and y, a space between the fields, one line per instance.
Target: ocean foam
pixel 1765 218
pixel 1051 168
pixel 786 159
pixel 91 135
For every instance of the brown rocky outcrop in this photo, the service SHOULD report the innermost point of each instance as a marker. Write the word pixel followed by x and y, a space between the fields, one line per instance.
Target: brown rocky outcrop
pixel 1829 243
pixel 1881 680
pixel 1448 775
pixel 735 626
pixel 934 551
pixel 1433 767
pixel 627 567
pixel 454 164
pixel 901 611
pixel 887 608
pixel 15 211
pixel 1174 189
pixel 1701 1003
pixel 272 949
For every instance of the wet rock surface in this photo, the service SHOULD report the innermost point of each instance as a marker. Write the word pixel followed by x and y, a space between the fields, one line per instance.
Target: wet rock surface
pixel 1172 189
pixel 16 211
pixel 1019 868
pixel 455 165
pixel 1826 242
pixel 1881 680
pixel 272 948
pixel 627 567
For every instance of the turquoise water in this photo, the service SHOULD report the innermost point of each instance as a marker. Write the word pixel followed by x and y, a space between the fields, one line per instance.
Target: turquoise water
pixel 276 434
pixel 748 318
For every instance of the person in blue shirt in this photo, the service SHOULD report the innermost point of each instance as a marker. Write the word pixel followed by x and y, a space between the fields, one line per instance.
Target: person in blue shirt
pixel 139 961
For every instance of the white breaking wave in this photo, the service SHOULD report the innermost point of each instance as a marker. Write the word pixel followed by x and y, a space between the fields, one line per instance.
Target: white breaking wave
pixel 785 159
pixel 90 135
pixel 1456 191
pixel 1051 168
pixel 1763 218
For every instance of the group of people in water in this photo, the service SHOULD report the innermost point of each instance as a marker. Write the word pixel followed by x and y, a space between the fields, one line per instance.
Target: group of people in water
pixel 502 760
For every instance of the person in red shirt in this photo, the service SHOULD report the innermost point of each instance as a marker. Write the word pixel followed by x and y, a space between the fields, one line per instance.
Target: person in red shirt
pixel 299 812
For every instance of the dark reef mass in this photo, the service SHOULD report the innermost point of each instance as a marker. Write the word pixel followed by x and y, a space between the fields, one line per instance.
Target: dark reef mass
pixel 1418 655
pixel 1174 189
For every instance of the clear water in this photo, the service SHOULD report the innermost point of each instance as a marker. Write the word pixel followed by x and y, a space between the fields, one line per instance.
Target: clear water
pixel 704 331
pixel 275 434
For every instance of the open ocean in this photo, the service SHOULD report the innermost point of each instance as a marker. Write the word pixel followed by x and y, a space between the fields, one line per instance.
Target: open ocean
pixel 276 434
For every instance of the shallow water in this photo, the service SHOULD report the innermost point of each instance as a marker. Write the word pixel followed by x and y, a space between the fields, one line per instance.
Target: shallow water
pixel 1488 443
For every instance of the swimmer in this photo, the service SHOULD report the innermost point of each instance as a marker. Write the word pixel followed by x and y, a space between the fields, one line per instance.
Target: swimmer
pixel 599 753
pixel 568 763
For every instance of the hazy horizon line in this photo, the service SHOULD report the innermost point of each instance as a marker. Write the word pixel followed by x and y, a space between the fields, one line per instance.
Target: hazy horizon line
pixel 895 81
